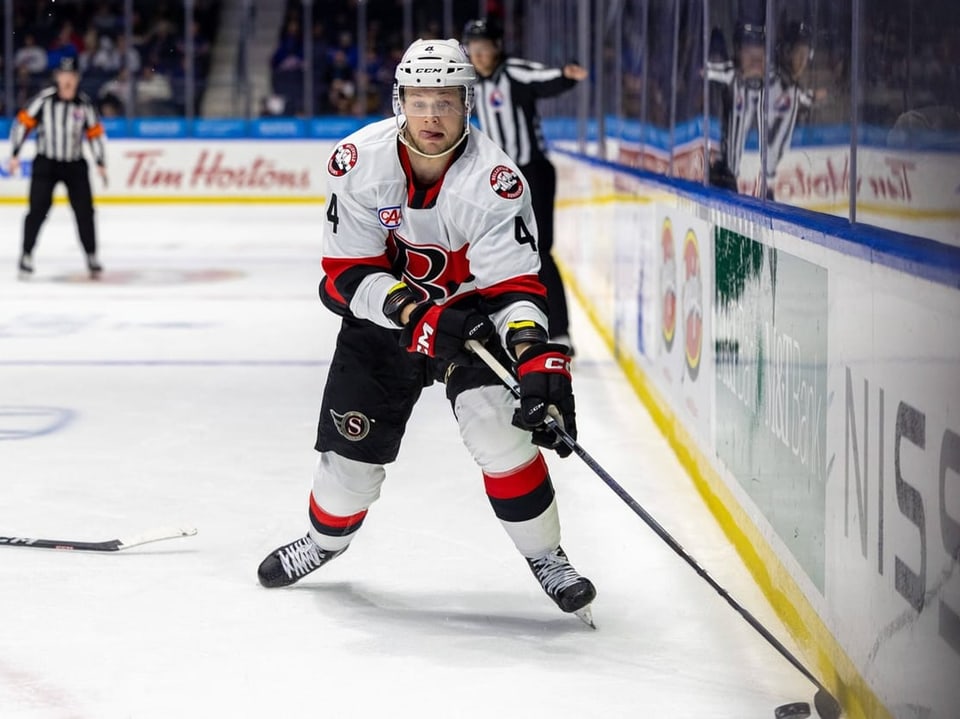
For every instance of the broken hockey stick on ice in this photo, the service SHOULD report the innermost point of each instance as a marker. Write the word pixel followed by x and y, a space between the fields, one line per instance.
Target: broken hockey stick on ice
pixel 827 705
pixel 110 545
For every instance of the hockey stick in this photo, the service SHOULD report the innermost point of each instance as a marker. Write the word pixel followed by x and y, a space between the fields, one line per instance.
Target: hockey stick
pixel 110 545
pixel 826 704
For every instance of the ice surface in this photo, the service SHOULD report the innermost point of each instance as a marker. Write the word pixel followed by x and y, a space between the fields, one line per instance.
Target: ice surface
pixel 184 388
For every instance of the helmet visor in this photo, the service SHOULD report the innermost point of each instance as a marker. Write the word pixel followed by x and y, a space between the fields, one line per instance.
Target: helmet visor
pixel 420 103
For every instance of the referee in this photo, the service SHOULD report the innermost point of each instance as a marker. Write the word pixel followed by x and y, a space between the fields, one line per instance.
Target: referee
pixel 741 94
pixel 62 117
pixel 506 94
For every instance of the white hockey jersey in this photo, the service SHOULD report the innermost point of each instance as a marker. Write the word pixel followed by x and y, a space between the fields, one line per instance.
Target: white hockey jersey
pixel 472 234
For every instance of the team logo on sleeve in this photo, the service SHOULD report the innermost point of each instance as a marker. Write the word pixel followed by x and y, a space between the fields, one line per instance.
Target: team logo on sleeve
pixel 390 217
pixel 353 425
pixel 506 182
pixel 343 159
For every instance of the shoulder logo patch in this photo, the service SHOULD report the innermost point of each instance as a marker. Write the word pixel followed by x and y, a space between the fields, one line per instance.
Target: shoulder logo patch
pixel 343 159
pixel 353 425
pixel 506 182
pixel 390 217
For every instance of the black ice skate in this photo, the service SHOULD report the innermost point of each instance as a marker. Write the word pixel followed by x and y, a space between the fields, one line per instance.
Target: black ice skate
pixel 292 562
pixel 572 592
pixel 26 267
pixel 94 267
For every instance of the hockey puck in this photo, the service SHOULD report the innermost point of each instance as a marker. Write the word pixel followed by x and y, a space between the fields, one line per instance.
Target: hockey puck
pixel 796 710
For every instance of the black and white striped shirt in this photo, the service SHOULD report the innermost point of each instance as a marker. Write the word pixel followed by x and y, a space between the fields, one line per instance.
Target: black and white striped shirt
pixel 742 108
pixel 61 126
pixel 741 111
pixel 787 99
pixel 506 106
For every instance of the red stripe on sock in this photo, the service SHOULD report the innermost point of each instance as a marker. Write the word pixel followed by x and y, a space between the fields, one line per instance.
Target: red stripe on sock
pixel 331 520
pixel 517 482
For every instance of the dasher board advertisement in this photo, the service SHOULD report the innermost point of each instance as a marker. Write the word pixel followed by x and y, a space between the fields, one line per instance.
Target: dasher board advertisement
pixel 770 330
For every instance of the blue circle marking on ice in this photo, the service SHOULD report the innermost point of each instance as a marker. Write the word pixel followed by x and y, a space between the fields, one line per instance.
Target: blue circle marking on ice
pixel 25 422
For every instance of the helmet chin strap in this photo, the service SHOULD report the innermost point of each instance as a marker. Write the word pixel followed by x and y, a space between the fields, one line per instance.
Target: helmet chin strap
pixel 401 134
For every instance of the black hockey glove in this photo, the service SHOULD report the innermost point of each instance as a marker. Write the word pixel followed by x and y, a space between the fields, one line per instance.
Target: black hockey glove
pixel 544 374
pixel 441 332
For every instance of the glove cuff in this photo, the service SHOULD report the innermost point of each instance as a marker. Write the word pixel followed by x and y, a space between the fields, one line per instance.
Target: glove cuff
pixel 548 358
pixel 524 332
pixel 398 297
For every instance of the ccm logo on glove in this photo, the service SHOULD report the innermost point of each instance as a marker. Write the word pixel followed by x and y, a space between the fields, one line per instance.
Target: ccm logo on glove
pixel 424 345
pixel 557 364
pixel 441 331
pixel 548 361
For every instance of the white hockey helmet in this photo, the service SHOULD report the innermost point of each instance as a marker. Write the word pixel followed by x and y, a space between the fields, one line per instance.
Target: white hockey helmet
pixel 435 63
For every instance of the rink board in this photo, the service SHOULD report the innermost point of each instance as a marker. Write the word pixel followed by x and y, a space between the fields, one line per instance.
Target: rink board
pixel 811 384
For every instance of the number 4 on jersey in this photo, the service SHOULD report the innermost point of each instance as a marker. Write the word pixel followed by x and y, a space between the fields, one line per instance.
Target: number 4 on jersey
pixel 332 215
pixel 522 234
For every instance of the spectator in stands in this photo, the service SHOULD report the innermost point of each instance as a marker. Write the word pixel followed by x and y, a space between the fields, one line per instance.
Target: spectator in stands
pixel 160 47
pixel 321 60
pixel 384 80
pixel 104 19
pixel 273 106
pixel 67 43
pixel 31 57
pixel 289 53
pixel 91 40
pixel 106 58
pixel 202 50
pixel 115 93
pixel 130 57
pixel 939 124
pixel 341 81
pixel 154 93
pixel 287 67
pixel 348 47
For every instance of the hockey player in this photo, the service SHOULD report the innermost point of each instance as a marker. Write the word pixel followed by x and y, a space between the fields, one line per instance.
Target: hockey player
pixel 430 240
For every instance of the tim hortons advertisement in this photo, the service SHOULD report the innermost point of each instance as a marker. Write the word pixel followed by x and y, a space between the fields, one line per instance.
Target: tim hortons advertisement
pixel 917 193
pixel 770 332
pixel 187 169
pixel 687 159
pixel 893 527
pixel 682 247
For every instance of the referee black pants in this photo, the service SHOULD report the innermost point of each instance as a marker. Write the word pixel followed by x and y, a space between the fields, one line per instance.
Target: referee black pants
pixel 45 176
pixel 542 178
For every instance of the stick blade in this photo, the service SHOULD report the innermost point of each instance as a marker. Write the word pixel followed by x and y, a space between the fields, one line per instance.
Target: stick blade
pixel 156 535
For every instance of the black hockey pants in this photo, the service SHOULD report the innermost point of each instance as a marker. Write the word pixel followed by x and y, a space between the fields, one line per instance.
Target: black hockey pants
pixel 46 174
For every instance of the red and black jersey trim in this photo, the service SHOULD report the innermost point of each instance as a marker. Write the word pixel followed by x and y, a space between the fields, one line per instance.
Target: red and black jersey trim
pixel 420 196
pixel 332 525
pixel 517 289
pixel 344 274
pixel 522 494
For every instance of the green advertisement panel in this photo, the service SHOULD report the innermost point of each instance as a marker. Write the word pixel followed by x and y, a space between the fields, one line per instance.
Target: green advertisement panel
pixel 770 319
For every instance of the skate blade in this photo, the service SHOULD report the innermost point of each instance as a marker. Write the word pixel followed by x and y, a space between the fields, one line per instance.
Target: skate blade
pixel 585 615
